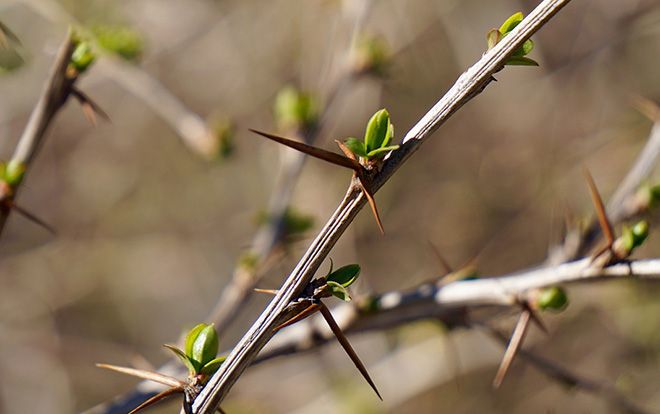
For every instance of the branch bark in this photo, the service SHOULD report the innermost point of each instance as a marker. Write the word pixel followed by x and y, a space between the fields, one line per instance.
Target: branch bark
pixel 470 84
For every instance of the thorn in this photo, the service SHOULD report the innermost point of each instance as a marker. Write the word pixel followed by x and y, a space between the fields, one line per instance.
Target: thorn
pixel 327 315
pixel 444 263
pixel 267 291
pixel 31 217
pixel 308 311
pixel 89 107
pixel 372 204
pixel 148 375
pixel 157 398
pixel 512 349
pixel 534 316
pixel 605 224
pixel 345 150
pixel 315 152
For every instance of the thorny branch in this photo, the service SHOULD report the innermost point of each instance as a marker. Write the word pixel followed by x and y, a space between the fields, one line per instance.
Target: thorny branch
pixel 470 84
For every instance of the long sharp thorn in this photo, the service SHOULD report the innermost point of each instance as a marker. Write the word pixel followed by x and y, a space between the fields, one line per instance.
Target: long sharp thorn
pixel 267 291
pixel 512 349
pixel 156 398
pixel 327 315
pixel 308 311
pixel 605 224
pixel 315 152
pixel 148 375
pixel 372 204
pixel 33 218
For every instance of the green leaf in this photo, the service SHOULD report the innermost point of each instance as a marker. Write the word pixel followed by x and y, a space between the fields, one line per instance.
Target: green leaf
pixel 14 172
pixel 339 291
pixel 212 365
pixel 634 236
pixel 511 23
pixel 345 276
pixel 82 56
pixel 193 367
pixel 205 346
pixel 524 49
pixel 377 130
pixel 356 146
pixel 521 61
pixel 382 151
pixel 190 338
pixel 295 109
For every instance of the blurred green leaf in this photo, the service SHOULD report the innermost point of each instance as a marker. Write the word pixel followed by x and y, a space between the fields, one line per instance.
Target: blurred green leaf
pixel 295 109
pixel 122 40
pixel 552 298
pixel 82 56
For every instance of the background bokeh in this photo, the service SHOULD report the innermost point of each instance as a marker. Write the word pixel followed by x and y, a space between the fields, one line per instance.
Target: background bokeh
pixel 148 232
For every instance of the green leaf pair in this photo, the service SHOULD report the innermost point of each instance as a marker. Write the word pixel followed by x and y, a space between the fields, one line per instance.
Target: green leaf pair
pixel 295 110
pixel 634 236
pixel 519 56
pixel 201 348
pixel 339 280
pixel 377 137
pixel 12 172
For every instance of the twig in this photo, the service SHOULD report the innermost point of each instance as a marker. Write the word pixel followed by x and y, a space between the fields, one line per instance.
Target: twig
pixel 53 97
pixel 467 86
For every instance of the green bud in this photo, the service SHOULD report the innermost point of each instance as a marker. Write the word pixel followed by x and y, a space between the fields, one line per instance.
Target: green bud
pixel 295 109
pixel 356 146
pixel 82 56
pixel 372 55
pixel 518 58
pixel 212 366
pixel 13 172
pixel 122 40
pixel 344 276
pixel 511 23
pixel 552 298
pixel 634 236
pixel 377 131
pixel 202 344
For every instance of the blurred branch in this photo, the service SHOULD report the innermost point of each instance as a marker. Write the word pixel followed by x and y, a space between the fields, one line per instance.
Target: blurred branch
pixel 470 84
pixel 623 205
pixel 191 128
pixel 57 90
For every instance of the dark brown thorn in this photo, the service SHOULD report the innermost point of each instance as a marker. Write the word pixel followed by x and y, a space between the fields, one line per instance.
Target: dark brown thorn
pixel 605 224
pixel 147 375
pixel 267 291
pixel 512 348
pixel 372 204
pixel 157 398
pixel 327 315
pixel 443 262
pixel 534 316
pixel 308 311
pixel 346 150
pixel 315 152
pixel 31 217
pixel 89 107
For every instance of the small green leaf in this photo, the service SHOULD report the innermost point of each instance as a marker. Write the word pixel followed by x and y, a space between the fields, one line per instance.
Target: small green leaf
pixel 339 291
pixel 511 23
pixel 345 276
pixel 82 56
pixel 356 146
pixel 212 365
pixel 377 130
pixel 634 236
pixel 493 37
pixel 193 367
pixel 205 346
pixel 191 337
pixel 552 298
pixel 521 61
pixel 381 151
pixel 14 173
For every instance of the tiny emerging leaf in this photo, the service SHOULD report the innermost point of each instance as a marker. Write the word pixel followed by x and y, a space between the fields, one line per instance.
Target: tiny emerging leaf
pixel 511 23
pixel 345 276
pixel 192 366
pixel 339 291
pixel 205 347
pixel 378 129
pixel 212 365
pixel 356 146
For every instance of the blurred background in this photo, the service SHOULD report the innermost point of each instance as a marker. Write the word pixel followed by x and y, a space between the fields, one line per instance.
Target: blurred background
pixel 149 231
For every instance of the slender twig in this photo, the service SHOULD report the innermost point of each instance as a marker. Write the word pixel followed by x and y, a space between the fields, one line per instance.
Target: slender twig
pixel 471 83
pixel 53 97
